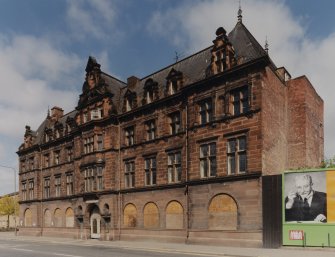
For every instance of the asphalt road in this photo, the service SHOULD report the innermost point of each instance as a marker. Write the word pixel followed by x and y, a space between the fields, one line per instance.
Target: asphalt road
pixel 19 248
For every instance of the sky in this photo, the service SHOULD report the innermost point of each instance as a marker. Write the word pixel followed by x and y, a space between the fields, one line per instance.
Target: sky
pixel 45 44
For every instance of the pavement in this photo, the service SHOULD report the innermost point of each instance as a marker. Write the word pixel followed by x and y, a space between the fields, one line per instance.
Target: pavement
pixel 188 249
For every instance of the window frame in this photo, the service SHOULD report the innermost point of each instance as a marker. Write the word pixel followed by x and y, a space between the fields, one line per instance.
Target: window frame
pixel 46 187
pixel 150 128
pixel 46 160
pixel 235 152
pixel 58 185
pixel 69 184
pixel 31 189
pixel 208 159
pixel 239 100
pixel 69 153
pixel 24 190
pixel 175 122
pixel 129 173
pixel 174 166
pixel 150 171
pixel 56 157
pixel 129 133
pixel 88 144
pixel 206 111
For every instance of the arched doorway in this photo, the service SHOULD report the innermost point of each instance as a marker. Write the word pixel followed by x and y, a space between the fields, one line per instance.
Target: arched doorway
pixel 95 222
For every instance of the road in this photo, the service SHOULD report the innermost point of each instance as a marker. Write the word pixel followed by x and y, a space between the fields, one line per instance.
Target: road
pixel 26 248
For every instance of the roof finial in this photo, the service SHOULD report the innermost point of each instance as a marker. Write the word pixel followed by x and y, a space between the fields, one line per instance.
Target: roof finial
pixel 177 56
pixel 266 46
pixel 239 13
pixel 48 113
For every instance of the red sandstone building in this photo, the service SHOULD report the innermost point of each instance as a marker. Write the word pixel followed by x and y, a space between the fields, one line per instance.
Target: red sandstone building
pixel 180 155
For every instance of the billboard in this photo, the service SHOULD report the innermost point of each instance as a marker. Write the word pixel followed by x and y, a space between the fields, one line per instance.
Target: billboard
pixel 309 208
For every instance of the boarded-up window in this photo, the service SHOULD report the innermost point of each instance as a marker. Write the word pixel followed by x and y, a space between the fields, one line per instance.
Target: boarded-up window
pixel 130 216
pixel 174 216
pixel 57 218
pixel 222 213
pixel 28 218
pixel 47 218
pixel 151 216
pixel 69 218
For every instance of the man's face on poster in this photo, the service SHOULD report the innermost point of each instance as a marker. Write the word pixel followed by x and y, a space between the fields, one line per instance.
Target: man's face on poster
pixel 303 186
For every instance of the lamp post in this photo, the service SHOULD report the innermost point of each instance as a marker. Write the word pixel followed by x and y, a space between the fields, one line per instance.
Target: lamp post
pixel 14 170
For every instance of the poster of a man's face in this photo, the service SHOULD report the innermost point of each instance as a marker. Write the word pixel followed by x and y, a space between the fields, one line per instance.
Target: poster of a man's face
pixel 305 197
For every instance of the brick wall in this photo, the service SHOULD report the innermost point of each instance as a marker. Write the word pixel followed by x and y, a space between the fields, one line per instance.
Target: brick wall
pixel 306 124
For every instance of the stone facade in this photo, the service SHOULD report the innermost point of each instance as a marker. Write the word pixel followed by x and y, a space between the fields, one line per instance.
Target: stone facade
pixel 176 156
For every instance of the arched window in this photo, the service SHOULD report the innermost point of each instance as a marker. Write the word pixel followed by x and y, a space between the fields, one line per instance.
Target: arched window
pixel 174 215
pixel 57 218
pixel 47 218
pixel 28 220
pixel 222 213
pixel 151 216
pixel 130 216
pixel 69 218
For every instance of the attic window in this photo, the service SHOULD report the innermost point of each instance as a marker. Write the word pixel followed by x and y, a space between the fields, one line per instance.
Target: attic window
pixel 128 104
pixel 96 114
pixel 85 117
pixel 150 91
pixel 149 96
pixel 46 138
pixel 47 135
pixel 57 133
pixel 68 128
pixel 173 82
pixel 172 87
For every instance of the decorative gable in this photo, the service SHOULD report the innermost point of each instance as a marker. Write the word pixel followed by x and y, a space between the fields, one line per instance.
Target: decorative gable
pixel 94 87
pixel 28 137
pixel 223 53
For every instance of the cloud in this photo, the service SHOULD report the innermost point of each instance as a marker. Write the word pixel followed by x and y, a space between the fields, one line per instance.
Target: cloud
pixel 34 75
pixel 36 58
pixel 192 25
pixel 91 18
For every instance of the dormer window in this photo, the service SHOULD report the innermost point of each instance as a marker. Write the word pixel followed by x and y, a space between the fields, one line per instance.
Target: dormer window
pixel 68 128
pixel 85 117
pixel 223 53
pixel 128 104
pixel 47 135
pixel 46 138
pixel 172 87
pixel 150 91
pixel 96 114
pixel 173 82
pixel 149 96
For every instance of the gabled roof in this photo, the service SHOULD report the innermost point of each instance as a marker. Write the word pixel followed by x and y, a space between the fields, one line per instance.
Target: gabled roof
pixel 193 68
pixel 244 43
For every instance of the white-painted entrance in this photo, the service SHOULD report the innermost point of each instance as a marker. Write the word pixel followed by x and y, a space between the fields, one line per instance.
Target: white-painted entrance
pixel 95 221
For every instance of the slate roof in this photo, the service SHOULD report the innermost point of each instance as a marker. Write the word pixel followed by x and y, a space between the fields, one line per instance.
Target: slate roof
pixel 244 43
pixel 194 68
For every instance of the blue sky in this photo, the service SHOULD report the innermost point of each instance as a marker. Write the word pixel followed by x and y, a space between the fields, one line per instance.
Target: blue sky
pixel 44 46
